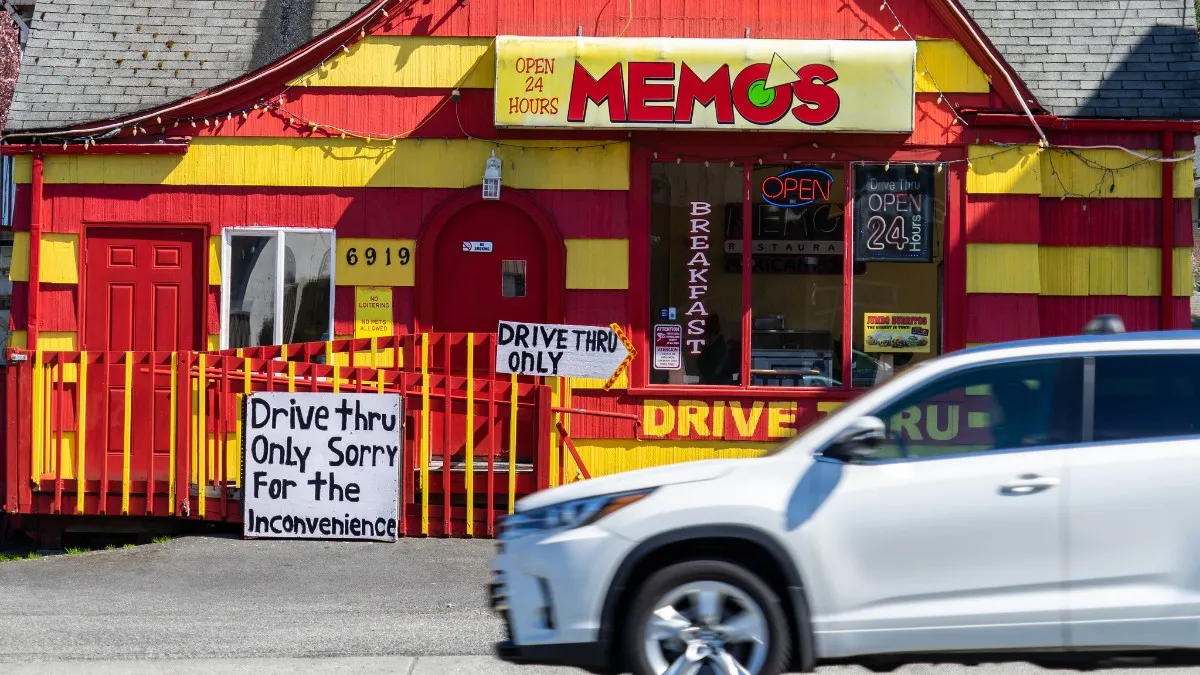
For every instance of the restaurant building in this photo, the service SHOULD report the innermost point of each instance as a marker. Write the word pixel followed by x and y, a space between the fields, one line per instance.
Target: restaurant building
pixel 782 203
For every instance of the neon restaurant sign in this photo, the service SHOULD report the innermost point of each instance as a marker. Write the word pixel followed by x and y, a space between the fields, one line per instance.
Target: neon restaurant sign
pixel 797 188
pixel 680 83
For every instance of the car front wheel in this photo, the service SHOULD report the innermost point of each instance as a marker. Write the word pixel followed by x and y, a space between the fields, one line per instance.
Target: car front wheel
pixel 706 617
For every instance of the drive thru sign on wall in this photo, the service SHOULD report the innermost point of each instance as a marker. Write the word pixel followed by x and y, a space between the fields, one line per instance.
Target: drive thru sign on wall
pixel 556 350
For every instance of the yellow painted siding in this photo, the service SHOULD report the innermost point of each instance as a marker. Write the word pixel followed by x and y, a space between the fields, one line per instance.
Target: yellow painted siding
pixel 598 264
pixel 18 339
pixel 1108 270
pixel 1145 272
pixel 214 261
pixel 1182 283
pixel 58 341
pixel 376 262
pixel 415 61
pixel 592 383
pixel 59 256
pixel 306 162
pixel 999 170
pixel 1064 270
pixel 608 456
pixel 1111 270
pixel 19 270
pixel 1083 172
pixel 1003 268
pixel 1185 184
pixel 946 65
pixel 214 343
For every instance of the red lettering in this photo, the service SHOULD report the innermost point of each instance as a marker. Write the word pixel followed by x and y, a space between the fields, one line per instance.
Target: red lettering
pixel 610 89
pixel 642 92
pixel 753 77
pixel 714 91
pixel 820 103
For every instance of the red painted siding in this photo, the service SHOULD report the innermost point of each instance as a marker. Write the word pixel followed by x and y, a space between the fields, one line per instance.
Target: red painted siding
pixel 59 307
pixel 798 19
pixel 354 212
pixel 596 308
pixel 1067 316
pixel 1111 222
pixel 1001 317
pixel 1003 219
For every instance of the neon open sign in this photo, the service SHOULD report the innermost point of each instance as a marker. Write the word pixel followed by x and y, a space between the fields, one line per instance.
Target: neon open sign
pixel 797 187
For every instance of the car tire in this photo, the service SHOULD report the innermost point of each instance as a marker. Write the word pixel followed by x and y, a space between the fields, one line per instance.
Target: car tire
pixel 744 595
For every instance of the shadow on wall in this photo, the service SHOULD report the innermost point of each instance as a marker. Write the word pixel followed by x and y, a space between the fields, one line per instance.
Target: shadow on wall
pixel 1144 83
pixel 284 25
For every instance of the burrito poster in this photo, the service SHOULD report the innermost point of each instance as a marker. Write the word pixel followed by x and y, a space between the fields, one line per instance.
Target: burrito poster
pixel 897 333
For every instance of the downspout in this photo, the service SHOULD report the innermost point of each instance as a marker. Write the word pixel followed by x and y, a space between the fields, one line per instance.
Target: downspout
pixel 1168 231
pixel 36 202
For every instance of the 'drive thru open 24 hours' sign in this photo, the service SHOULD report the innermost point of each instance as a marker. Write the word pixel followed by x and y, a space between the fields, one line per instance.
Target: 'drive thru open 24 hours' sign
pixel 322 466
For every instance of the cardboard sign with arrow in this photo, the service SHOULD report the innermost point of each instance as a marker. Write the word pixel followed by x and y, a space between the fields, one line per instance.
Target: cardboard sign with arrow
pixel 558 350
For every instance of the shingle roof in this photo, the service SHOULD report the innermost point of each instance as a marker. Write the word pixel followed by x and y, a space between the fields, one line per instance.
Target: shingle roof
pixel 97 59
pixel 1100 58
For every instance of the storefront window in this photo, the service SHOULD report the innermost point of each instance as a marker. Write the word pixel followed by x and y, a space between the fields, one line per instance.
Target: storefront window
pixel 800 263
pixel 273 298
pixel 900 228
pixel 695 296
pixel 797 248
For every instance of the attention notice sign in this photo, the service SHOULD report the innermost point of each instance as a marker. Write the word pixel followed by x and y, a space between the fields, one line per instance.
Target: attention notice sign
pixel 322 466
pixel 893 213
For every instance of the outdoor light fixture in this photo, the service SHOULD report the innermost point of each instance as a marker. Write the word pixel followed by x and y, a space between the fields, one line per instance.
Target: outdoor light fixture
pixel 491 177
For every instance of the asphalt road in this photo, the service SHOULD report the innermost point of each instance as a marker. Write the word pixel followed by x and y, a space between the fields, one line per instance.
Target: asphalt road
pixel 222 605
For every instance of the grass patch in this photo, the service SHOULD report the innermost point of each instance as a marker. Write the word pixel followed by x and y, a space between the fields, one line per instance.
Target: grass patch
pixel 110 547
pixel 162 539
pixel 9 557
pixel 77 550
pixel 129 546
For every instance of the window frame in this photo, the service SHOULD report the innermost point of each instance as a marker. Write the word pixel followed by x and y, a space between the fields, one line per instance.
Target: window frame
pixel 280 235
pixel 1089 396
pixel 952 285
pixel 1085 394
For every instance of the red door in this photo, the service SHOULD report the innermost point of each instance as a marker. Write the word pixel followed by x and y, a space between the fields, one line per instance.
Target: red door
pixel 490 265
pixel 142 293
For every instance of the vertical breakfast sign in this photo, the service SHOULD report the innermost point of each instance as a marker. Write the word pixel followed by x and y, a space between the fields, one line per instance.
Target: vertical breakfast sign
pixel 679 83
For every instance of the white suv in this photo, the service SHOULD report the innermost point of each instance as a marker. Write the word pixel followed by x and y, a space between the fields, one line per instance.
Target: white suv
pixel 1031 497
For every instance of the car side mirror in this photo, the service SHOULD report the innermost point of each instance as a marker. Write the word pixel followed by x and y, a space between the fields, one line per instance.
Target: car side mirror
pixel 858 441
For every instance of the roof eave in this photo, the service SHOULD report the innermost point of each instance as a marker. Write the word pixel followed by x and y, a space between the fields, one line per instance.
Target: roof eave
pixel 220 99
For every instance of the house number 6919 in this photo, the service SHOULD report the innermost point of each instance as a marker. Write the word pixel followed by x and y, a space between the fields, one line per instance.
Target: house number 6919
pixel 384 256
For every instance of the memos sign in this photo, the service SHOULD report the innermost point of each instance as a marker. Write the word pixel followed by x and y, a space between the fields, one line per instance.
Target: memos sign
pixel 672 83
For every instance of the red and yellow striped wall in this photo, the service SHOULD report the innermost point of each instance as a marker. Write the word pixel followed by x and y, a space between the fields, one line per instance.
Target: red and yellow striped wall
pixel 1036 263
pixel 1056 237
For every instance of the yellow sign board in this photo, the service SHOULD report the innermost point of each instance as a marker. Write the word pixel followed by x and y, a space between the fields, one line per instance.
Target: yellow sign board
pixel 375 262
pixel 897 333
pixel 373 312
pixel 686 83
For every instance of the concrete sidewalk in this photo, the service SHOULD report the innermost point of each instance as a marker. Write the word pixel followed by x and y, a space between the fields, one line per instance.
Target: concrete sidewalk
pixel 442 665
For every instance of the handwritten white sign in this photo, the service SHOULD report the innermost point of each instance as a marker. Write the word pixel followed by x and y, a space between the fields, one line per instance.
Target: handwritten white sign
pixel 322 466
pixel 555 350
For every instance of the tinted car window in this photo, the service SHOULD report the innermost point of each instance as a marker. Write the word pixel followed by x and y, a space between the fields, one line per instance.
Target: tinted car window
pixel 1000 407
pixel 1147 396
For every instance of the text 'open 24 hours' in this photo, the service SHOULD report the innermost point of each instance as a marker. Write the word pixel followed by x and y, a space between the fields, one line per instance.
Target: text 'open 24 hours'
pixel 322 466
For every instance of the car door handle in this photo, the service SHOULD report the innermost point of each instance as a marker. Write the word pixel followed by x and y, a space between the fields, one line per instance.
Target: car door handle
pixel 1028 485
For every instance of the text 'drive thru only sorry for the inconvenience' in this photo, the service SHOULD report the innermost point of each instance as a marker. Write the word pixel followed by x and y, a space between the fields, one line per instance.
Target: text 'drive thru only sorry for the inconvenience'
pixel 322 466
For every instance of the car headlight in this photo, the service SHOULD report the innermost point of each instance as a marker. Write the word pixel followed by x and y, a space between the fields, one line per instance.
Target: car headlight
pixel 567 515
